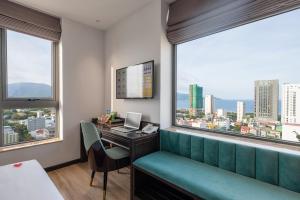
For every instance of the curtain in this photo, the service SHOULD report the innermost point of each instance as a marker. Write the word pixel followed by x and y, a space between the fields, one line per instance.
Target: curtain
pixel 26 20
pixel 192 19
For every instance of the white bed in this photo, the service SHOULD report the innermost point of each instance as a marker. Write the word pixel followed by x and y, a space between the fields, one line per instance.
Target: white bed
pixel 29 181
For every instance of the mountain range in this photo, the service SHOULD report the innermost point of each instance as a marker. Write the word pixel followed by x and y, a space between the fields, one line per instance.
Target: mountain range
pixel 228 105
pixel 27 89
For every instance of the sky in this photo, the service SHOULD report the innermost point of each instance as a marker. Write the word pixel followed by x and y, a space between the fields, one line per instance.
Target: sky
pixel 28 59
pixel 226 64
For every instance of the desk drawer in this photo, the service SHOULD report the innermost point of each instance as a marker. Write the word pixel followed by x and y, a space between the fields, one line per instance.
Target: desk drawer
pixel 116 139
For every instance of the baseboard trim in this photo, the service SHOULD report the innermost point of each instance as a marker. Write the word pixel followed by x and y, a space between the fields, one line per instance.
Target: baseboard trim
pixel 55 167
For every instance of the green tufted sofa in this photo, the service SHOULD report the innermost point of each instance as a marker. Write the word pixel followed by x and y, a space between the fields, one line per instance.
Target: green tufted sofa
pixel 214 169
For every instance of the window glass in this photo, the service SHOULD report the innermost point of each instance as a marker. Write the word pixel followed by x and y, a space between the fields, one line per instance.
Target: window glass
pixel 243 81
pixel 30 124
pixel 29 66
pixel 28 108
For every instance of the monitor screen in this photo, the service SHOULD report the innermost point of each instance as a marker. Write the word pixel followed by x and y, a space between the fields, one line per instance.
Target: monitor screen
pixel 135 81
pixel 133 120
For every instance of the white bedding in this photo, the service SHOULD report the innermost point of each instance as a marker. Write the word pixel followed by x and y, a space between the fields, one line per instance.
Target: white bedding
pixel 29 181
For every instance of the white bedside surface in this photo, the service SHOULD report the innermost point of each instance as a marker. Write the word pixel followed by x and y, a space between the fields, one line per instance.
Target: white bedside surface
pixel 29 181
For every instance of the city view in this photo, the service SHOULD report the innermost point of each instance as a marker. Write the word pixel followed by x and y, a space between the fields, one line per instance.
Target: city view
pixel 25 125
pixel 241 81
pixel 264 121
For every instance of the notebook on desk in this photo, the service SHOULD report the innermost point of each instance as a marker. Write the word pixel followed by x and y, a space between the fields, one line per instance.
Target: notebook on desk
pixel 132 123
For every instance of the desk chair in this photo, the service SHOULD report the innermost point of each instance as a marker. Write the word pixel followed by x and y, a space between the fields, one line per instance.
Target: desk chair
pixel 99 158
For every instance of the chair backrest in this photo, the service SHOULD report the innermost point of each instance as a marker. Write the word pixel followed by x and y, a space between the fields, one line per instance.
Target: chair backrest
pixel 90 134
pixel 270 166
pixel 93 145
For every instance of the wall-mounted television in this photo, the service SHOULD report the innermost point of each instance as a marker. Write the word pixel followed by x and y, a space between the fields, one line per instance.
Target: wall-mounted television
pixel 136 81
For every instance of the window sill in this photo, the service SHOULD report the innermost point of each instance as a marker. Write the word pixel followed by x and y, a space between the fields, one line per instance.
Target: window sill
pixel 240 140
pixel 29 144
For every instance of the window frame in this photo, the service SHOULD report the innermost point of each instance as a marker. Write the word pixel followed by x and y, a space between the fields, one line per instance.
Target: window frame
pixel 34 102
pixel 228 133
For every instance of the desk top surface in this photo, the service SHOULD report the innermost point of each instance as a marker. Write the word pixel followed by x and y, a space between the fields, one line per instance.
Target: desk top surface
pixel 130 135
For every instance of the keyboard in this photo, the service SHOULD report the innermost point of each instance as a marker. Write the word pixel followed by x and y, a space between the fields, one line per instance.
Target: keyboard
pixel 123 129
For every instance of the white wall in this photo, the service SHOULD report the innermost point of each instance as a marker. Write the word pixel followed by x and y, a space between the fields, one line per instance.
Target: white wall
pixel 136 39
pixel 165 72
pixel 82 88
pixel 86 78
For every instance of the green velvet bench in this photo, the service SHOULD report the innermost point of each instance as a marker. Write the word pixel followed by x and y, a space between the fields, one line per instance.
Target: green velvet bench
pixel 201 168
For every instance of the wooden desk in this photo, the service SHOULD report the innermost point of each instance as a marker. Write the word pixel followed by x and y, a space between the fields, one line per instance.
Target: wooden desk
pixel 137 144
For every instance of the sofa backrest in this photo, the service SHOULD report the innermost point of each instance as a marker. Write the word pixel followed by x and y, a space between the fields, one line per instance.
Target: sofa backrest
pixel 270 166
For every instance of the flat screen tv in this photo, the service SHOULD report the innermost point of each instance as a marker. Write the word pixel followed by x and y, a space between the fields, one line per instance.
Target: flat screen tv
pixel 135 82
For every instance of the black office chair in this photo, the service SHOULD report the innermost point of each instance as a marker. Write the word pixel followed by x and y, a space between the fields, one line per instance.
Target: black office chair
pixel 99 158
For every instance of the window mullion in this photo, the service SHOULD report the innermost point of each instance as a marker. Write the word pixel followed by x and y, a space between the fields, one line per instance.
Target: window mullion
pixel 2 39
pixel 28 104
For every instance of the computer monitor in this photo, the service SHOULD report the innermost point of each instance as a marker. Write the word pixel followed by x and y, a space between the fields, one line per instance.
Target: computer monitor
pixel 133 120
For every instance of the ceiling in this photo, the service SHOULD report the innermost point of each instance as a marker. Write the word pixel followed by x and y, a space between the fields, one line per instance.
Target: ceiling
pixel 100 14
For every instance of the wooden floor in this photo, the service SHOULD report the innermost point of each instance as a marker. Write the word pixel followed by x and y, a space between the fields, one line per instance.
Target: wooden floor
pixel 73 183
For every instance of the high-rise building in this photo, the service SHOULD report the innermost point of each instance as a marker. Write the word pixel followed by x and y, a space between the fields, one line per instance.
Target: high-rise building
pixel 290 113
pixel 36 123
pixel 221 112
pixel 39 114
pixel 209 104
pixel 10 137
pixel 266 100
pixel 240 111
pixel 196 99
pixel 290 104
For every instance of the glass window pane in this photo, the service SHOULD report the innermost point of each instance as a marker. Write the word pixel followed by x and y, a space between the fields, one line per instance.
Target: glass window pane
pixel 27 125
pixel 244 80
pixel 29 66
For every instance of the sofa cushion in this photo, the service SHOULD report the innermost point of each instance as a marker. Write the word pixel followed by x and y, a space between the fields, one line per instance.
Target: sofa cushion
pixel 197 148
pixel 245 160
pixel 176 143
pixel 164 140
pixel 267 166
pixel 211 152
pixel 289 171
pixel 209 182
pixel 169 141
pixel 227 156
pixel 185 145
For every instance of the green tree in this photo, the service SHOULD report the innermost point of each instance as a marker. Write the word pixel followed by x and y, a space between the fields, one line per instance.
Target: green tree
pixel 237 128
pixel 250 115
pixel 201 114
pixel 31 114
pixel 232 115
pixel 22 130
pixel 19 116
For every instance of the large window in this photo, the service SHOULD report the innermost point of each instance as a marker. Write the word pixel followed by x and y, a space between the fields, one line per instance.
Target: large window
pixel 29 101
pixel 243 81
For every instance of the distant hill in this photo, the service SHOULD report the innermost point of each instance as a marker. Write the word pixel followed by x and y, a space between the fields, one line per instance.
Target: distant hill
pixel 228 105
pixel 29 90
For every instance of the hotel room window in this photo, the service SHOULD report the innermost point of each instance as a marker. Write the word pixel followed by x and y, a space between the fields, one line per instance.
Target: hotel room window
pixel 242 81
pixel 29 101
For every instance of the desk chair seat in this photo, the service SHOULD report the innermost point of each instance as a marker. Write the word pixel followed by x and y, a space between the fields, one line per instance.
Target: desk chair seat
pixel 99 158
pixel 117 153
